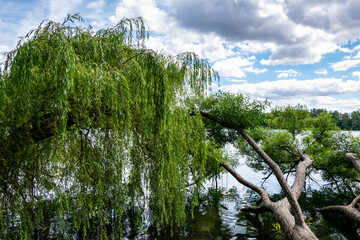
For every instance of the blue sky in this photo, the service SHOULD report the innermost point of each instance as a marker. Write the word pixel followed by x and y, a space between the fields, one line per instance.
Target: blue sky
pixel 291 52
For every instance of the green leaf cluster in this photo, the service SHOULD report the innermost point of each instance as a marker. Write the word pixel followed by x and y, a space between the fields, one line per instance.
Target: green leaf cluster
pixel 335 167
pixel 290 118
pixel 235 109
pixel 92 125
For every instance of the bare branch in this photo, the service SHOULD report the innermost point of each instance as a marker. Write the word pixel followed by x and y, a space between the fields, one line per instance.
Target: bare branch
pixel 314 181
pixel 266 178
pixel 263 193
pixel 290 151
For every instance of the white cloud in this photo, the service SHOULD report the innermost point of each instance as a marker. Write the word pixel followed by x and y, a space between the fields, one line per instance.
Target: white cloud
pixel 299 88
pixel 300 32
pixel 99 24
pixel 356 48
pixel 96 14
pixel 96 4
pixel 321 92
pixel 345 50
pixel 58 10
pixel 238 80
pixel 321 71
pixel 231 67
pixel 167 35
pixel 287 73
pixel 252 46
pixel 345 65
pixel 299 52
pixel 158 20
pixel 182 40
pixel 255 70
pixel 328 102
pixel 356 74
pixel 357 55
pixel 4 48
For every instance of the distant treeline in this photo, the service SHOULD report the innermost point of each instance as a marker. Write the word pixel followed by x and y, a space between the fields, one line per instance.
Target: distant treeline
pixel 345 121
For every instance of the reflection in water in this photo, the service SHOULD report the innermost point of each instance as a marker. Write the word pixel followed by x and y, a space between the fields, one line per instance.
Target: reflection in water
pixel 218 216
pixel 203 222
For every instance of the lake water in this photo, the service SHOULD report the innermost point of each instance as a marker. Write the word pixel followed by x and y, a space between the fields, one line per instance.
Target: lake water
pixel 219 215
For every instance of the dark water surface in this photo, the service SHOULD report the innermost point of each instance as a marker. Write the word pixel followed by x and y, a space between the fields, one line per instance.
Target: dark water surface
pixel 218 216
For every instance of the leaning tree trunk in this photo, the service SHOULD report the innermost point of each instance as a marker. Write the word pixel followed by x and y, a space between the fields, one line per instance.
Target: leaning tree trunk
pixel 287 211
pixel 282 210
pixel 350 211
pixel 283 216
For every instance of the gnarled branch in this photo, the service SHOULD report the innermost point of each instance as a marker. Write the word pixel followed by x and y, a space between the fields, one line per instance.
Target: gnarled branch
pixel 348 210
pixel 263 193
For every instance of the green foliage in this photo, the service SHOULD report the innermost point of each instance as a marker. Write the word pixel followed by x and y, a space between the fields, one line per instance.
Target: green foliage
pixel 280 234
pixel 236 109
pixel 93 124
pixel 292 119
pixel 336 169
pixel 322 126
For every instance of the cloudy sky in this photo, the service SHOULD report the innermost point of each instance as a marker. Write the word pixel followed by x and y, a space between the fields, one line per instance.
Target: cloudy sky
pixel 290 51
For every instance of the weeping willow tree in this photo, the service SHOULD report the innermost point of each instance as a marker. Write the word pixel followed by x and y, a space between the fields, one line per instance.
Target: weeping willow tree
pixel 94 125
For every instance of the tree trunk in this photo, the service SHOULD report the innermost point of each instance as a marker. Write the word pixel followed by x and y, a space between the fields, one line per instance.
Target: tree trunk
pixel 283 216
pixel 287 211
pixel 282 209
